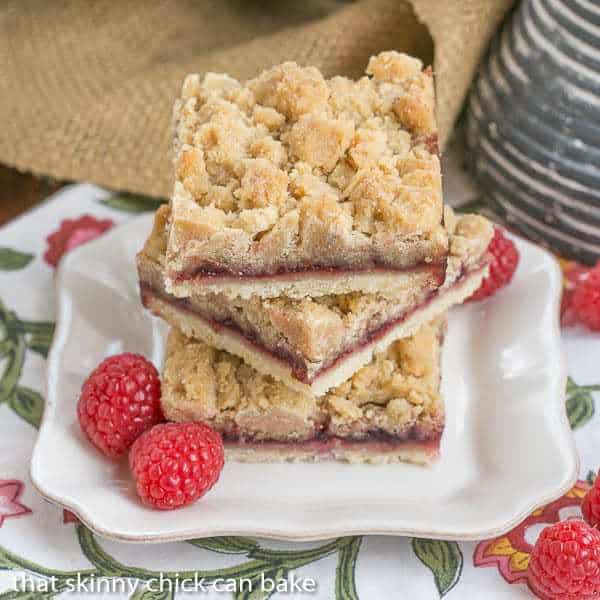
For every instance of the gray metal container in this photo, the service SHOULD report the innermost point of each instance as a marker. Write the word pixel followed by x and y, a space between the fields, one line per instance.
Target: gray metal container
pixel 533 124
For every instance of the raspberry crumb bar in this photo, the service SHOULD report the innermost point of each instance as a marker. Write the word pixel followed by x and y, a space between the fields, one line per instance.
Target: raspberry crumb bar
pixel 390 410
pixel 293 184
pixel 313 344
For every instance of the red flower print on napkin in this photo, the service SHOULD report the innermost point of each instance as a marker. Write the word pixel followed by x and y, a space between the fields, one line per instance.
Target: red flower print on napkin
pixel 10 492
pixel 72 233
pixel 511 552
pixel 69 517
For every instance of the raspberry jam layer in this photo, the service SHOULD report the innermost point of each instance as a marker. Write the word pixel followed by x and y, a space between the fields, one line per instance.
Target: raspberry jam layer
pixel 212 272
pixel 148 294
pixel 325 447
pixel 298 366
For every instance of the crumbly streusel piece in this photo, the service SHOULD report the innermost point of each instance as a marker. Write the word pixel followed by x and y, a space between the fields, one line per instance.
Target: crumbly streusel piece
pixel 299 185
pixel 313 344
pixel 389 410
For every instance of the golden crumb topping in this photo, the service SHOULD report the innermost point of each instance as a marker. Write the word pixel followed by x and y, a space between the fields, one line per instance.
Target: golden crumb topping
pixel 291 165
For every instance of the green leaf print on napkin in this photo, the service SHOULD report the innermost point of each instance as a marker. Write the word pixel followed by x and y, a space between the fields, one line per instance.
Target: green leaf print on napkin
pixel 28 404
pixel 39 335
pixel 31 595
pixel 262 564
pixel 133 203
pixel 580 403
pixel 143 593
pixel 13 260
pixel 16 337
pixel 444 559
pixel 226 544
pixel 59 586
pixel 12 353
pixel 9 561
pixel 345 579
pixel 263 586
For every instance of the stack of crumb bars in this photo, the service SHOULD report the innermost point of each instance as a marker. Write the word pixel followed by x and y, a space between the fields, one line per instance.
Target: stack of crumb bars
pixel 305 263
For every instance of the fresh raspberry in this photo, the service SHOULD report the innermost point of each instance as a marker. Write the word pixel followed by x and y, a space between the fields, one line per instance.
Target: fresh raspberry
pixel 174 464
pixel 119 401
pixel 565 562
pixel 568 316
pixel 573 273
pixel 590 507
pixel 586 299
pixel 505 258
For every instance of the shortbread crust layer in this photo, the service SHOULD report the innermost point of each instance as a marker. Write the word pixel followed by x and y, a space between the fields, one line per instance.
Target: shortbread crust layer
pixel 313 282
pixel 373 451
pixel 390 410
pixel 315 344
pixel 293 184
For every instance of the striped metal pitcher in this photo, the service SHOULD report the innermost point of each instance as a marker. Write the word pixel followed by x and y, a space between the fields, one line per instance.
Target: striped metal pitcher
pixel 533 125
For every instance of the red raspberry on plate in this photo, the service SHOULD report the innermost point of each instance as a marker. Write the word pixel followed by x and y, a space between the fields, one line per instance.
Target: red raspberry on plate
pixel 505 258
pixel 573 273
pixel 565 562
pixel 174 464
pixel 568 316
pixel 119 401
pixel 590 507
pixel 586 299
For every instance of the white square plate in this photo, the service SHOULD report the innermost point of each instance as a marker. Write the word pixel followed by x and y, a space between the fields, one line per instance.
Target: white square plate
pixel 506 450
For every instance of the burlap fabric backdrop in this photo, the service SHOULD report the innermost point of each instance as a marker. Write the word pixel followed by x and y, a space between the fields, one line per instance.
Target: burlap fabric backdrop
pixel 87 87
